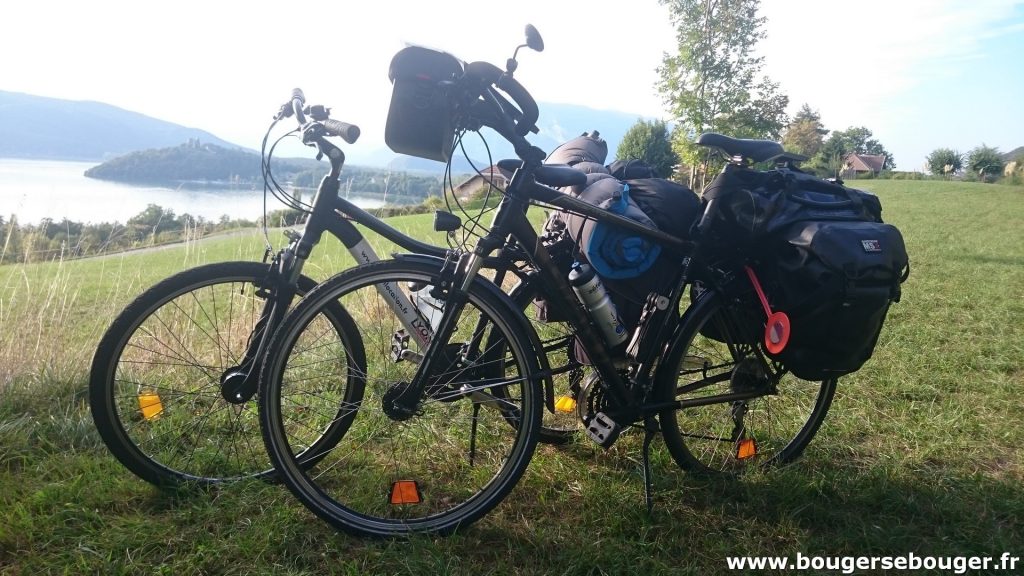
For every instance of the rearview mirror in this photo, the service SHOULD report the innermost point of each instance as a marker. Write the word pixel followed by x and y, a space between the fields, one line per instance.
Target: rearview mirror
pixel 533 39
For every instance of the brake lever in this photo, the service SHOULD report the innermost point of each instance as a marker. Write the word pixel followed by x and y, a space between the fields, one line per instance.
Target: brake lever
pixel 284 112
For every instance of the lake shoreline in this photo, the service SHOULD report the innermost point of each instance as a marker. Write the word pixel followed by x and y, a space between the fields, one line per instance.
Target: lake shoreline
pixel 35 190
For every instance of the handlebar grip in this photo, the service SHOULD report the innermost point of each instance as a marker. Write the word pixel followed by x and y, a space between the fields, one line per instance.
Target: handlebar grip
pixel 348 132
pixel 298 101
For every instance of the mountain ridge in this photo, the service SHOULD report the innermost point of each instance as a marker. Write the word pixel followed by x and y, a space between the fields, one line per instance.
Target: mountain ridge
pixel 40 127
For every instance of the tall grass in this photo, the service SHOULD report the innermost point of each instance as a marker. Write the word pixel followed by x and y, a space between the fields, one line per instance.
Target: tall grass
pixel 921 451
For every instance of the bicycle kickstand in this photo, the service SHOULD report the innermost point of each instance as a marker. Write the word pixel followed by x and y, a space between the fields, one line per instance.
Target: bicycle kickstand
pixel 650 432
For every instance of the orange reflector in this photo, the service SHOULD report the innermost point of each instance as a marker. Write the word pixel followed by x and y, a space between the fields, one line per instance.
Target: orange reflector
pixel 405 492
pixel 565 404
pixel 149 403
pixel 746 448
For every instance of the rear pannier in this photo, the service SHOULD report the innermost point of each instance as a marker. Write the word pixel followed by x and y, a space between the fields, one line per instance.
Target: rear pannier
pixel 823 256
pixel 836 280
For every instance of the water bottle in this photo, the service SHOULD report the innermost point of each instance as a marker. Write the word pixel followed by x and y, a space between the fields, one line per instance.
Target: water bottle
pixel 595 299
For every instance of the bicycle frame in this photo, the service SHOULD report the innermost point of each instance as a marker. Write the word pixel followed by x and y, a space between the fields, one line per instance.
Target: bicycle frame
pixel 625 377
pixel 335 215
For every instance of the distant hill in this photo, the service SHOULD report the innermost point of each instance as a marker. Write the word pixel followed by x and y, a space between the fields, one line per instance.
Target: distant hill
pixel 1014 154
pixel 199 162
pixel 557 123
pixel 194 161
pixel 50 128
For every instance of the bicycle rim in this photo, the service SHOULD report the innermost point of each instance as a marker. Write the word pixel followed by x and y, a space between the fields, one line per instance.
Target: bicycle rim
pixel 155 388
pixel 733 437
pixel 443 467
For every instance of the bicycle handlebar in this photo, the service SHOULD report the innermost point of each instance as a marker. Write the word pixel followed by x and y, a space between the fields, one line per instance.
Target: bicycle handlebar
pixel 297 106
pixel 523 115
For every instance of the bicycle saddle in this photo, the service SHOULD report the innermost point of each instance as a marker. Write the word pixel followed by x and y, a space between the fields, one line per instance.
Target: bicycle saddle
pixel 754 150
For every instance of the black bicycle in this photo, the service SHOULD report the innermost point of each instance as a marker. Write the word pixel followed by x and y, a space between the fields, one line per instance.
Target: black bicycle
pixel 174 378
pixel 443 429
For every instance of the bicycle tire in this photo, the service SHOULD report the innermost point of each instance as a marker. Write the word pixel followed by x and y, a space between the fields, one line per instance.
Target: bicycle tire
pixel 769 430
pixel 443 467
pixel 154 384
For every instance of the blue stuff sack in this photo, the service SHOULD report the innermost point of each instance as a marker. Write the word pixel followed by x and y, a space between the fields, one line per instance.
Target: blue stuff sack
pixel 614 253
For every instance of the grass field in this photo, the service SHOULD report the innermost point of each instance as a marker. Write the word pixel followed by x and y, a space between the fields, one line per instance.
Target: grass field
pixel 921 452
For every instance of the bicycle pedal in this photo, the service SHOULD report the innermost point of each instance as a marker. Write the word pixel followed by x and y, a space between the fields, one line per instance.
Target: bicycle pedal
pixel 399 345
pixel 603 430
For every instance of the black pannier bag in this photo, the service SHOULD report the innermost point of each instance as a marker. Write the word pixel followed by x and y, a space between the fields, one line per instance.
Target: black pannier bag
pixel 835 281
pixel 826 260
pixel 755 204
pixel 419 119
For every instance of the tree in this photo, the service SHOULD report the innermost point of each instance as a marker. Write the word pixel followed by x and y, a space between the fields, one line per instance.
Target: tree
pixel 805 134
pixel 151 221
pixel 841 143
pixel 945 162
pixel 650 142
pixel 859 140
pixel 986 163
pixel 713 82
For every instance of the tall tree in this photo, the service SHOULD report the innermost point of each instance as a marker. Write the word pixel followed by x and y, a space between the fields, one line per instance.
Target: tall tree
pixel 650 142
pixel 713 83
pixel 805 134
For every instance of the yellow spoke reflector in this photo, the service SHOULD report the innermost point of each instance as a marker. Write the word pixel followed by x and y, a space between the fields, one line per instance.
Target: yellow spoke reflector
pixel 746 448
pixel 565 404
pixel 405 492
pixel 150 404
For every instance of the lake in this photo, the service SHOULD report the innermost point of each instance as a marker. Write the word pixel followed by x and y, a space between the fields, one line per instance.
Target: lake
pixel 37 189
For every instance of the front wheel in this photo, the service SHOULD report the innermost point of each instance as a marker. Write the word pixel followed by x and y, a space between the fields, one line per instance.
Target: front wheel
pixel 435 468
pixel 713 357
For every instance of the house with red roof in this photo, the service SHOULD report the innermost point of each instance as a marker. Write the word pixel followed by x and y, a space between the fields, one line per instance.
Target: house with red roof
pixel 855 165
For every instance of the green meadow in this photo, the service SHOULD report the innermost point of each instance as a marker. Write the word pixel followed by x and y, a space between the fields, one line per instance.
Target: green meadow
pixel 922 451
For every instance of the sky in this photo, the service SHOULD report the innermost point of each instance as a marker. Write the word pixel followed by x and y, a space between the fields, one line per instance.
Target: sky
pixel 920 74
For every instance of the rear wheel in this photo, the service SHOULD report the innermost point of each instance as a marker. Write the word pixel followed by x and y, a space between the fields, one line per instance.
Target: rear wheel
pixel 433 469
pixel 771 427
pixel 156 390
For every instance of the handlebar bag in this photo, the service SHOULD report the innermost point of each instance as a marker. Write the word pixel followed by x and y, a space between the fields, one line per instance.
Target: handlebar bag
pixel 419 119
